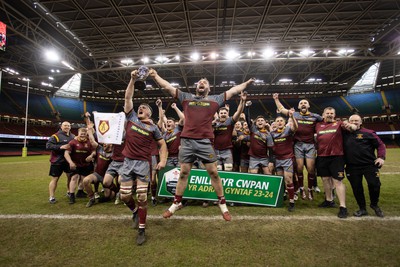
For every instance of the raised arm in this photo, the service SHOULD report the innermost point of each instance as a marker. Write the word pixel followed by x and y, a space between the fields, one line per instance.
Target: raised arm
pixel 243 98
pixel 161 116
pixel 294 125
pixel 247 113
pixel 178 111
pixel 92 140
pixel 238 88
pixel 279 105
pixel 130 90
pixel 165 85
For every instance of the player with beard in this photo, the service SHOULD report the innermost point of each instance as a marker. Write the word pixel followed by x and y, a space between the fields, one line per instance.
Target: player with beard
pixel 79 155
pixel 283 149
pixel 304 146
pixel 330 163
pixel 223 130
pixel 197 135
pixel 140 132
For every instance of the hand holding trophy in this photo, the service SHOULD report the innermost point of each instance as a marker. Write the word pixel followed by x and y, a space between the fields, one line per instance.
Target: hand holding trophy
pixel 141 75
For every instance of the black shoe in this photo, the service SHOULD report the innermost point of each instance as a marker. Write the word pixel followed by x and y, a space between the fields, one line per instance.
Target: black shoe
pixel 327 204
pixel 360 213
pixel 141 237
pixel 154 202
pixel 377 210
pixel 103 199
pixel 342 213
pixel 81 194
pixel 291 207
pixel 135 219
pixel 91 202
pixel 71 198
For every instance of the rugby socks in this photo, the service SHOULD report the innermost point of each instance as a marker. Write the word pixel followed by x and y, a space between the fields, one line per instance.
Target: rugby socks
pixel 153 187
pixel 290 189
pixel 300 178
pixel 131 204
pixel 177 199
pixel 142 213
pixel 222 204
pixel 310 180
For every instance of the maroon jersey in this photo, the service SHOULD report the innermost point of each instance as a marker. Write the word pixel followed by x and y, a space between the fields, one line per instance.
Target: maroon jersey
pixel 117 152
pixel 283 143
pixel 139 137
pixel 306 126
pixel 80 151
pixel 244 148
pixel 102 161
pixel 223 134
pixel 259 142
pixel 329 139
pixel 199 114
pixel 154 148
pixel 173 140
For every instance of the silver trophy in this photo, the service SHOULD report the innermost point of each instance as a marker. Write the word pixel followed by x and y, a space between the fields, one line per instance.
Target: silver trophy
pixel 142 74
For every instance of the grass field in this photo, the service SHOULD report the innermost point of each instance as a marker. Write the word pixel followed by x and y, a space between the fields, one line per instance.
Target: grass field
pixel 35 233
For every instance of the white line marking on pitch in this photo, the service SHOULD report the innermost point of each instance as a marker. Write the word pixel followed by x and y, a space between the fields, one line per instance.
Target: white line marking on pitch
pixel 193 218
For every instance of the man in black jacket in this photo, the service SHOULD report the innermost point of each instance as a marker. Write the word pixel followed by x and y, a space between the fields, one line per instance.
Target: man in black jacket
pixel 361 160
pixel 57 143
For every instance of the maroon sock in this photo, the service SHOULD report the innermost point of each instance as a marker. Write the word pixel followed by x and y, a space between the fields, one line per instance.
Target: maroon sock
pixel 300 178
pixel 222 200
pixel 113 188
pixel 131 204
pixel 177 199
pixel 290 189
pixel 310 179
pixel 142 213
pixel 153 189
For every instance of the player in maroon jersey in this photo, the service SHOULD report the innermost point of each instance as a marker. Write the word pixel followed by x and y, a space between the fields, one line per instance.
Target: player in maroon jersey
pixel 79 155
pixel 140 132
pixel 223 129
pixel 330 161
pixel 283 150
pixel 196 136
pixel 103 160
pixel 261 144
pixel 304 146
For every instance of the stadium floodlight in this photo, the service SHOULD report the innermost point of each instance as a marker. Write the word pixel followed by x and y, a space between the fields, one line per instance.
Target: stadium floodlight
pixel 307 52
pixel 327 51
pixel 285 80
pixel 345 52
pixel 231 54
pixel 268 53
pixel 251 54
pixel 195 56
pixel 52 55
pixel 145 60
pixel 214 55
pixel 161 59
pixel 127 61
pixel 66 64
pixel 177 58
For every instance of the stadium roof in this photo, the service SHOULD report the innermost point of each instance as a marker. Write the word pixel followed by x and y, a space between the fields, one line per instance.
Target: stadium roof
pixel 289 46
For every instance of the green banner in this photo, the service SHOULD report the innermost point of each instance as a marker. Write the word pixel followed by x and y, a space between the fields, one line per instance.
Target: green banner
pixel 246 188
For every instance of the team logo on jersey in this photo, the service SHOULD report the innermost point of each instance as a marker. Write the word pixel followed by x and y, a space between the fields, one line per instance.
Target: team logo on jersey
pixel 210 156
pixel 104 126
pixel 359 136
pixel 340 174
